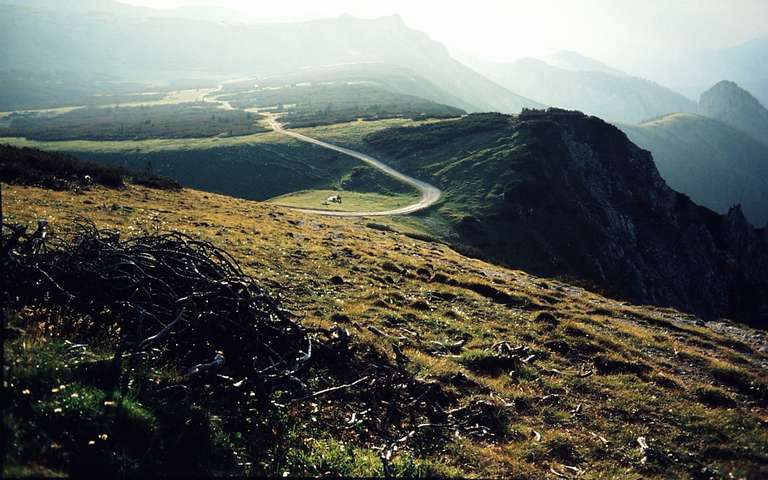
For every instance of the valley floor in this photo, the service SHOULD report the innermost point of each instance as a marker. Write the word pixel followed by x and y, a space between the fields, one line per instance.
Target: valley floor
pixel 602 389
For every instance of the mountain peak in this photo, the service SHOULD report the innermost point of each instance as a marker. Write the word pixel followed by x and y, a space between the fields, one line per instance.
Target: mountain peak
pixel 731 104
pixel 727 94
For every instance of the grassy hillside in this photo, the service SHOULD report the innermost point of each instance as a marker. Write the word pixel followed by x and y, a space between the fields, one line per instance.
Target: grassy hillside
pixel 715 164
pixel 560 193
pixel 25 90
pixel 336 102
pixel 183 120
pixel 534 377
pixel 257 166
pixel 393 78
pixel 26 166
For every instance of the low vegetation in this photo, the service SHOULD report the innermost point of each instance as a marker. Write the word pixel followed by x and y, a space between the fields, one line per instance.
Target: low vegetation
pixel 512 375
pixel 27 166
pixel 183 120
pixel 328 103
pixel 29 90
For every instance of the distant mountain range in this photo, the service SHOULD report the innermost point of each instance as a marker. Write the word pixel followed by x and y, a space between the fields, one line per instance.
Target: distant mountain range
pixel 572 81
pixel 715 164
pixel 693 73
pixel 141 45
pixel 576 62
pixel 719 158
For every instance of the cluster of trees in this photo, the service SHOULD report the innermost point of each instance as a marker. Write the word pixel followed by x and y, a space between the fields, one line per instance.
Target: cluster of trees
pixel 59 171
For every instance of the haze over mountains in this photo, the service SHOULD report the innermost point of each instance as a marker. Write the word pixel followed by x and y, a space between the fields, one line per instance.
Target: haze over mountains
pixel 145 47
pixel 720 157
pixel 306 239
pixel 569 80
pixel 744 63
pixel 733 105
pixel 715 164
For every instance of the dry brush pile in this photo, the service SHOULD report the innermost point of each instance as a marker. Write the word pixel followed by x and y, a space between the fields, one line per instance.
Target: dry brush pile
pixel 170 299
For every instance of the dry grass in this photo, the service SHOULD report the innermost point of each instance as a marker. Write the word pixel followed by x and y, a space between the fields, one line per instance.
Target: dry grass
pixel 602 373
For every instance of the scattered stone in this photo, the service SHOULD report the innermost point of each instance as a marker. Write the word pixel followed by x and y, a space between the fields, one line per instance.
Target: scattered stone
pixel 392 267
pixel 421 305
pixel 380 227
pixel 423 272
pixel 340 318
pixel 546 318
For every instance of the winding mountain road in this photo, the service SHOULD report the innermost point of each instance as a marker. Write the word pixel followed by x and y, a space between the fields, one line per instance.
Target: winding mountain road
pixel 429 193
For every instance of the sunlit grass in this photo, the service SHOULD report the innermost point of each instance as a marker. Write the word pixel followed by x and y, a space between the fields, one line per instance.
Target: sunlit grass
pixel 147 146
pixel 350 201
pixel 600 373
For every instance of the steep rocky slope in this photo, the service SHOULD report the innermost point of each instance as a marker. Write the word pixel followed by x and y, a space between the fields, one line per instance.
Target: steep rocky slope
pixel 733 105
pixel 561 193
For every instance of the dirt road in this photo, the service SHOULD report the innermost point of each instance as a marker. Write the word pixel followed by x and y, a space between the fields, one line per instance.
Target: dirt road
pixel 429 194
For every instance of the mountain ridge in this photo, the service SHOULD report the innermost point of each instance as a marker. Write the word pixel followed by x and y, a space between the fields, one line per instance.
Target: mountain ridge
pixel 603 91
pixel 561 193
pixel 172 48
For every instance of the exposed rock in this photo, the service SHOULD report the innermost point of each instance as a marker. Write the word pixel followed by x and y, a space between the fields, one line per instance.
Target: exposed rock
pixel 570 195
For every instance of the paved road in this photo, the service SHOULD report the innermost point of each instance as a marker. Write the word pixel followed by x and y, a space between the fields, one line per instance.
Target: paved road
pixel 429 194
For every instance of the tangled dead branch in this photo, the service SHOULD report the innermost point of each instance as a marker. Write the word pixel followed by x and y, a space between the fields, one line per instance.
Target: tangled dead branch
pixel 168 294
pixel 173 299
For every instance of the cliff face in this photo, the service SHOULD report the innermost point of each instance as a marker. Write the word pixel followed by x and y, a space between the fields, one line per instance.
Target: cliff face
pixel 651 243
pixel 567 194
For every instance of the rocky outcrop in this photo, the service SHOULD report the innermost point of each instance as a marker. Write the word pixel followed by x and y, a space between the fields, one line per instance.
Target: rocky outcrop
pixel 652 244
pixel 565 194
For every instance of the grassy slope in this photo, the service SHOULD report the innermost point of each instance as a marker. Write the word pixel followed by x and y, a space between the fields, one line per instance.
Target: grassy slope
pixel 183 120
pixel 258 167
pixel 460 199
pixel 696 395
pixel 713 163
pixel 351 201
pixel 331 103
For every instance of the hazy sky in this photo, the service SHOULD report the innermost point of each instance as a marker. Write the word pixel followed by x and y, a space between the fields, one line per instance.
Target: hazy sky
pixel 626 33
